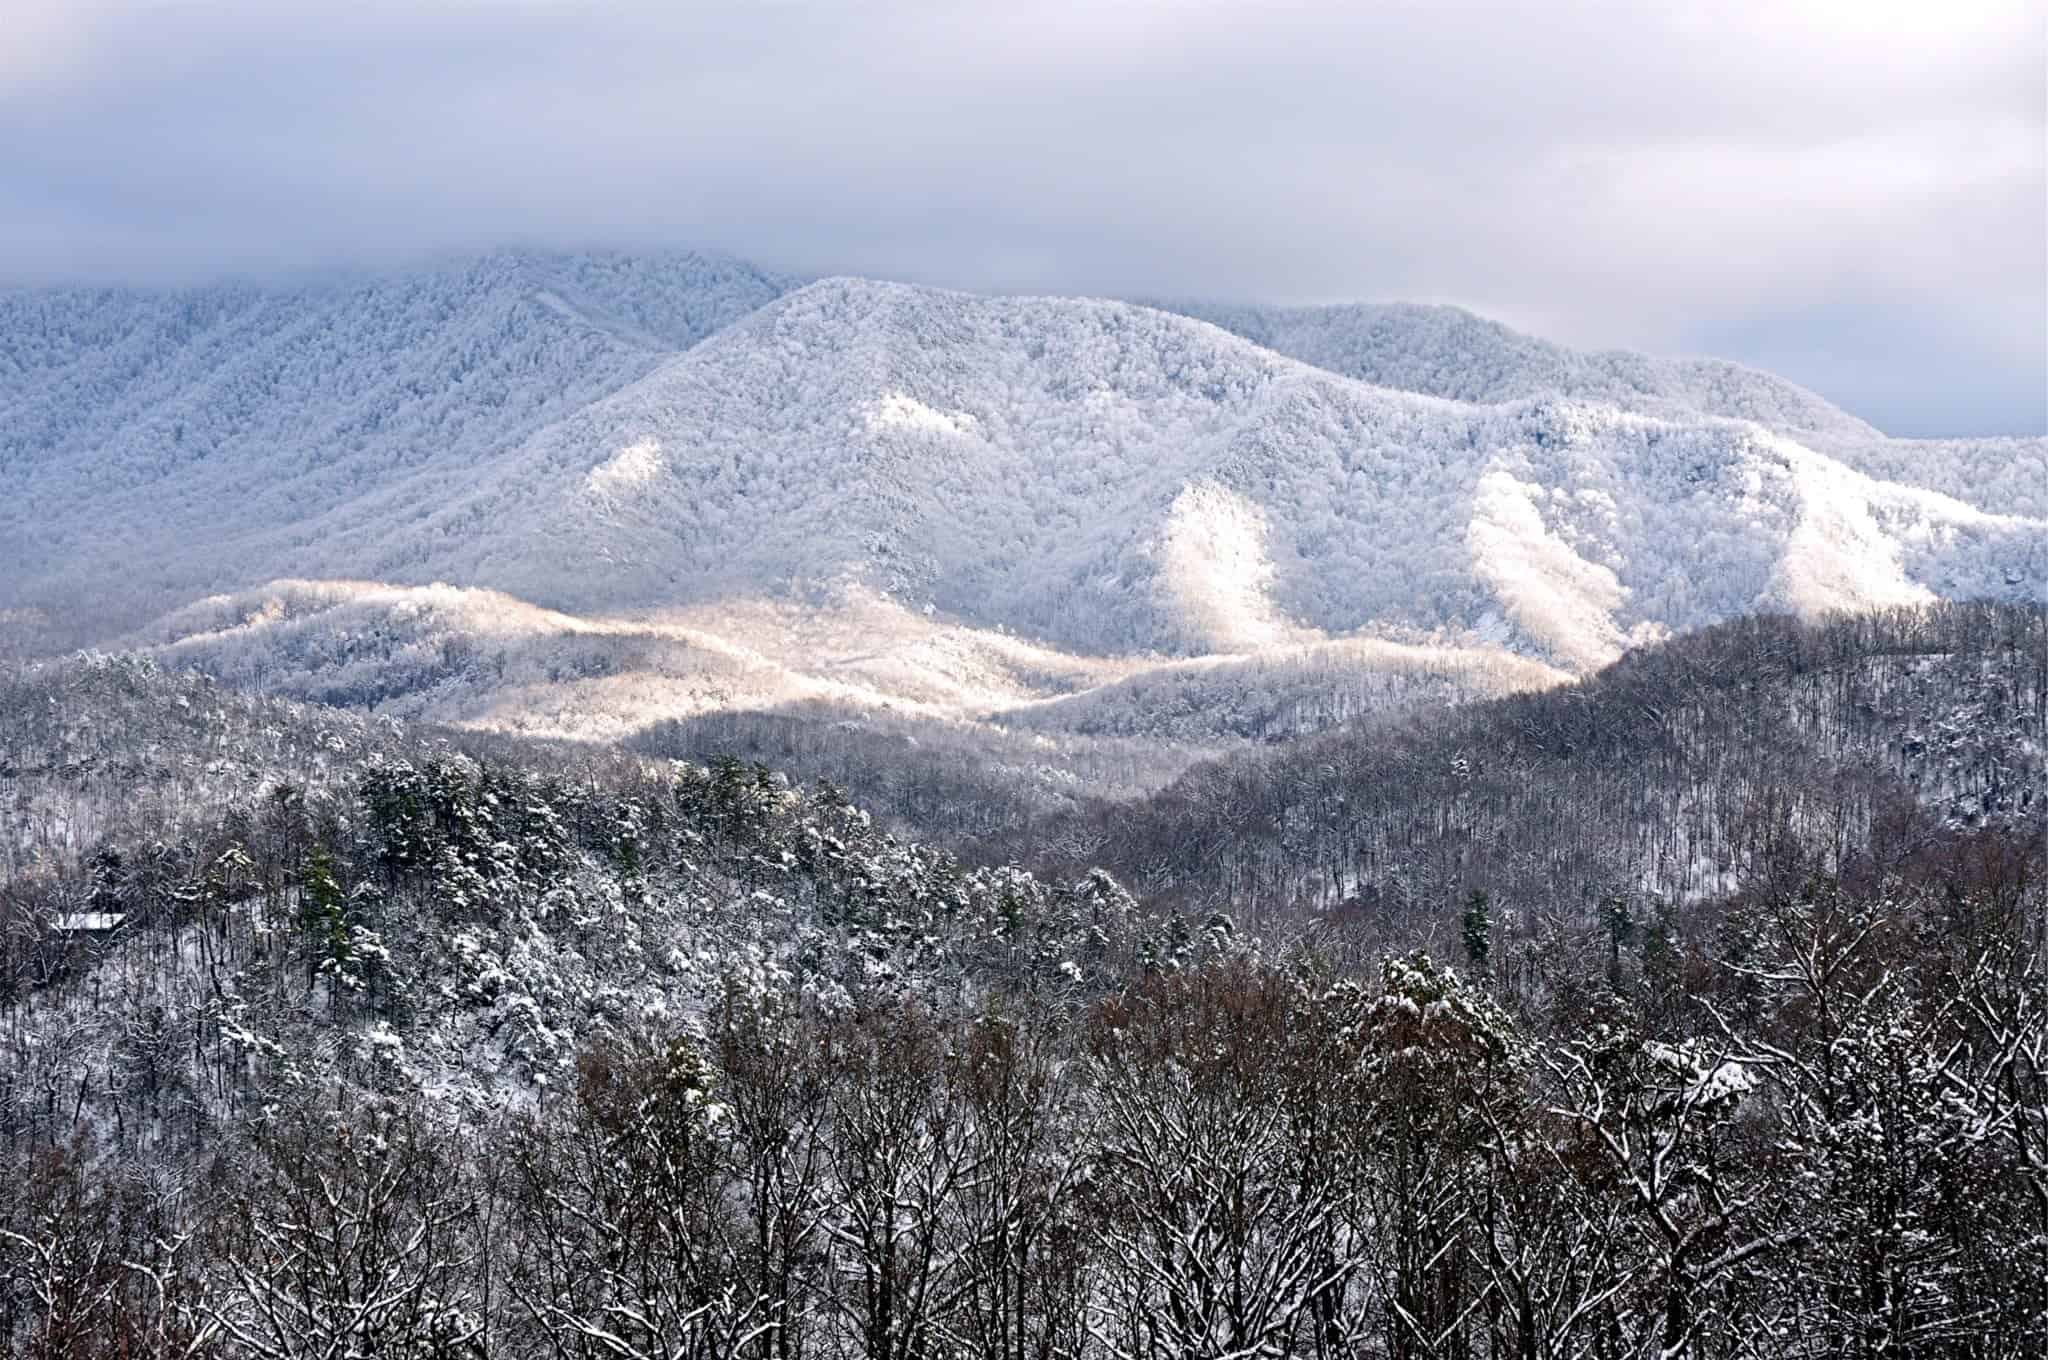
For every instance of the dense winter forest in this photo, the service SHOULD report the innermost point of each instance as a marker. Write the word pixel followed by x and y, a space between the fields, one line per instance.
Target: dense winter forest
pixel 1680 773
pixel 1697 1010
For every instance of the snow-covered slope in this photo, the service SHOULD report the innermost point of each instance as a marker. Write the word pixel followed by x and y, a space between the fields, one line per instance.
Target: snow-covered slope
pixel 482 659
pixel 1449 352
pixel 165 430
pixel 1106 478
pixel 1113 478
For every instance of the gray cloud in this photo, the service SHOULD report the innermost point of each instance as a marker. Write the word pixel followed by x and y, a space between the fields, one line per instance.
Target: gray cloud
pixel 1851 193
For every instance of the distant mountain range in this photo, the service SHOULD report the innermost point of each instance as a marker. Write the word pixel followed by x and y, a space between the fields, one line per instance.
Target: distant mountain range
pixel 677 441
pixel 1448 352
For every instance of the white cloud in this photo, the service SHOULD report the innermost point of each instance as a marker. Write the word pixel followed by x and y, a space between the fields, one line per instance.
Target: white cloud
pixel 1614 172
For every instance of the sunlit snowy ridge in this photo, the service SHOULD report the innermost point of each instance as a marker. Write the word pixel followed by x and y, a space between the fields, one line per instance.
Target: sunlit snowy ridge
pixel 482 659
pixel 1114 480
pixel 618 439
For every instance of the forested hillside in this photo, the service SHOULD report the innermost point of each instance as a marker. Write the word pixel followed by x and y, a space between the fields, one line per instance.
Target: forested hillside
pixel 153 440
pixel 1113 479
pixel 616 437
pixel 1449 352
pixel 330 1036
pixel 1673 776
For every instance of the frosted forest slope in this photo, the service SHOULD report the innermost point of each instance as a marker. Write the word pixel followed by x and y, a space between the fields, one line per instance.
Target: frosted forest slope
pixel 163 429
pixel 1101 476
pixel 1449 352
pixel 1112 478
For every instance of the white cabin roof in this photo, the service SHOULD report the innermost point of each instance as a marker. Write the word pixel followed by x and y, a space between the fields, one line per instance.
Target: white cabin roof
pixel 87 922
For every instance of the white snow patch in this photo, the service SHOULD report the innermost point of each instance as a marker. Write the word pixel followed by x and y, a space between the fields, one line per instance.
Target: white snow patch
pixel 901 411
pixel 1705 1080
pixel 87 922
pixel 1838 557
pixel 1215 571
pixel 1557 597
pixel 632 466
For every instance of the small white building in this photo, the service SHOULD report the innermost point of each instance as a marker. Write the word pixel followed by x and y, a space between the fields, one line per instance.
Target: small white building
pixel 88 922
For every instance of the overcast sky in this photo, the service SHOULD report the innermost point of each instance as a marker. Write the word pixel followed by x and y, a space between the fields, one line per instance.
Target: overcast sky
pixel 1850 192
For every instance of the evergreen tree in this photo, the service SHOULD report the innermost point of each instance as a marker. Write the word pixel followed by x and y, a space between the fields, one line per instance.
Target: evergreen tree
pixel 1620 925
pixel 1477 928
pixel 323 914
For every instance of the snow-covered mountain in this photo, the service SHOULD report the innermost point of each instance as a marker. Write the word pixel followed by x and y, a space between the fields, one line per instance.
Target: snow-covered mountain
pixel 329 1029
pixel 154 433
pixel 1449 352
pixel 1113 478
pixel 1104 478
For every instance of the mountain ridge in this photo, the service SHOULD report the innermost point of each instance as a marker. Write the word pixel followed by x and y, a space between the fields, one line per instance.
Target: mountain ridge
pixel 1376 342
pixel 612 434
pixel 146 410
pixel 1080 462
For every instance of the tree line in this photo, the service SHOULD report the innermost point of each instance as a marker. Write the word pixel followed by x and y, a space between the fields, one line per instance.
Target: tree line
pixel 1834 1147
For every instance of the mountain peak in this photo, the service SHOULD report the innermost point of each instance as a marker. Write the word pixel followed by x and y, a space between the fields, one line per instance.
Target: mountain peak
pixel 604 432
